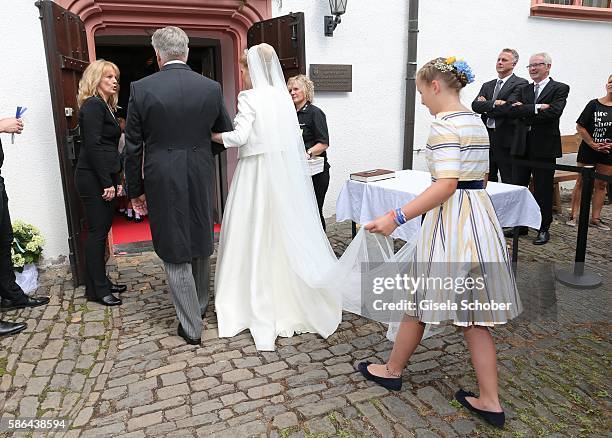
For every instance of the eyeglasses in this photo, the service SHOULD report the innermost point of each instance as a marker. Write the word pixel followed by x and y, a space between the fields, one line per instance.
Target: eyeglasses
pixel 537 64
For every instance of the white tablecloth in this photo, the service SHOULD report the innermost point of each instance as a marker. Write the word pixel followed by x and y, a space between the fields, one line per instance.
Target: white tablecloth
pixel 362 202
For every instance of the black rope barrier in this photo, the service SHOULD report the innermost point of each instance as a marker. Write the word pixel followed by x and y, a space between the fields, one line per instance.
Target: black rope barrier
pixel 575 276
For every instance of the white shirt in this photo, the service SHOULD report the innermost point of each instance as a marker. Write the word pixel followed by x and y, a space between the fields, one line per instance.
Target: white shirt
pixel 503 81
pixel 174 61
pixel 490 120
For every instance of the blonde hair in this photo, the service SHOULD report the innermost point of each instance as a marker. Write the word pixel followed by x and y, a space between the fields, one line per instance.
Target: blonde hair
pixel 453 79
pixel 266 51
pixel 88 85
pixel 304 83
pixel 243 59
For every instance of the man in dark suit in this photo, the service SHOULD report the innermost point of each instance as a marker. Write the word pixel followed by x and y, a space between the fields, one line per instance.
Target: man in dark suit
pixel 492 104
pixel 170 117
pixel 538 106
pixel 11 295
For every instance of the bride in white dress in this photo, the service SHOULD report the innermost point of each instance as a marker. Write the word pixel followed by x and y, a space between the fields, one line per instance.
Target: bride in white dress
pixel 273 253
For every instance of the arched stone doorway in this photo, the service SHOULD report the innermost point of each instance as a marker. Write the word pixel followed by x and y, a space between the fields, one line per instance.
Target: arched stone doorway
pixel 225 23
pixel 226 20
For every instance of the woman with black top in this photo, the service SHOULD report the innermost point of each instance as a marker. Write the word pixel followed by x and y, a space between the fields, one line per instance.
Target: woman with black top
pixel 314 132
pixel 595 127
pixel 97 173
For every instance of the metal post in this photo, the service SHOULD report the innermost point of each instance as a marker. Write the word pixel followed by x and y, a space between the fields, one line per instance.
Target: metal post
pixel 515 243
pixel 576 277
pixel 411 67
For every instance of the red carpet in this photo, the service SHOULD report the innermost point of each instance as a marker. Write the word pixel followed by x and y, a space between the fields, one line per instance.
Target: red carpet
pixel 128 232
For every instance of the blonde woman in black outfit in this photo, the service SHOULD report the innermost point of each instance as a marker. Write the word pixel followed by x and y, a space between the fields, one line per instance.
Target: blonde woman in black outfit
pixel 314 132
pixel 97 173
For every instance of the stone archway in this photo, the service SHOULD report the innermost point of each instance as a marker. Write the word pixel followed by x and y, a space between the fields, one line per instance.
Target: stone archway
pixel 223 18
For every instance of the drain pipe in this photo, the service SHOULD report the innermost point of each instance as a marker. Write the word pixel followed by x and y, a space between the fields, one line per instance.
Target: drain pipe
pixel 409 112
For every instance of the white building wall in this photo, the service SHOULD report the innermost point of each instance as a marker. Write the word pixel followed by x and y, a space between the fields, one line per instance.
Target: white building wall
pixel 366 126
pixel 31 167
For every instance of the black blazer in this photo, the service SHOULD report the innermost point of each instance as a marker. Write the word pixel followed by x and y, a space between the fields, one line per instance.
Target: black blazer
pixel 170 118
pixel 100 134
pixel 504 126
pixel 543 127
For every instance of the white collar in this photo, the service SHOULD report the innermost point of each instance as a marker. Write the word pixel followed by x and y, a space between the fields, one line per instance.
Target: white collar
pixel 174 61
pixel 503 80
pixel 543 83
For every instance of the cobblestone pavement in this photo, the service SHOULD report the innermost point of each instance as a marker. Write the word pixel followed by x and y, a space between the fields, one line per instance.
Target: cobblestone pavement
pixel 123 371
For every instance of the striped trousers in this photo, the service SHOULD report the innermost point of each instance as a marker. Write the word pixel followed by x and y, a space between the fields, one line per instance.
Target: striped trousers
pixel 189 289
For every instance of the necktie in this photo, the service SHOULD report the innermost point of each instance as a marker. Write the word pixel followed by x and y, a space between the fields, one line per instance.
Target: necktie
pixel 490 120
pixel 536 92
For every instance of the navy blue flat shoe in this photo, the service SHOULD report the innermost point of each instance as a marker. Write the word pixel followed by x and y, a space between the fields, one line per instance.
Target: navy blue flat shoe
pixel 392 383
pixel 496 419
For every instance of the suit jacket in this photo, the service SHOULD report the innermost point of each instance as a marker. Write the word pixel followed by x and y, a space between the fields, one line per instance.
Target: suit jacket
pixel 100 134
pixel 538 133
pixel 505 127
pixel 170 117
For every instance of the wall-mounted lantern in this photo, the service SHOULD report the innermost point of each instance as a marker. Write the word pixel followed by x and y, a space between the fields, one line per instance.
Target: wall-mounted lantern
pixel 337 7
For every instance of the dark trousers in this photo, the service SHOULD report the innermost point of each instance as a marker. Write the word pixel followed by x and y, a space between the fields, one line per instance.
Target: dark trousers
pixel 492 166
pixel 320 182
pixel 9 289
pixel 99 215
pixel 498 158
pixel 543 180
pixel 502 157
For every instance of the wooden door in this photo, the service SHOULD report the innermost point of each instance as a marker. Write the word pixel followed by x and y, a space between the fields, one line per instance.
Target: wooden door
pixel 66 52
pixel 286 35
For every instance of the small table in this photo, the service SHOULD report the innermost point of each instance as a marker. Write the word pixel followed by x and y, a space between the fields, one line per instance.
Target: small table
pixel 361 202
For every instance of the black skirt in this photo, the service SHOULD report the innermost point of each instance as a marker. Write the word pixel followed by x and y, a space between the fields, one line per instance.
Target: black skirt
pixel 588 155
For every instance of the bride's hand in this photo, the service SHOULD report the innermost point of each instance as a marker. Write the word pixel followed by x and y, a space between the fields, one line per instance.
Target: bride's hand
pixel 217 137
pixel 384 225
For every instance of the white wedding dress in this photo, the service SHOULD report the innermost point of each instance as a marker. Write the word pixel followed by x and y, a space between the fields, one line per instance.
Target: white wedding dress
pixel 273 254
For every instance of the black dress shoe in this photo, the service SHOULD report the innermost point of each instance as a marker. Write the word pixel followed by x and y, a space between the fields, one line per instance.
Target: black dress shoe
pixel 117 288
pixel 6 304
pixel 188 339
pixel 11 328
pixel 509 232
pixel 107 300
pixel 496 419
pixel 543 237
pixel 393 383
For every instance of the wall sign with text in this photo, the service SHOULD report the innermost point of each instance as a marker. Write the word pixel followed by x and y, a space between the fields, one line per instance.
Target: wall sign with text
pixel 332 77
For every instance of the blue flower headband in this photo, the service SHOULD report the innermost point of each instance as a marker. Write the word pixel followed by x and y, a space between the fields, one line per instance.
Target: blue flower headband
pixel 461 68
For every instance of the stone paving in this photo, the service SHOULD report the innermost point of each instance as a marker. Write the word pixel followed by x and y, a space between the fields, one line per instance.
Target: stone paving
pixel 123 371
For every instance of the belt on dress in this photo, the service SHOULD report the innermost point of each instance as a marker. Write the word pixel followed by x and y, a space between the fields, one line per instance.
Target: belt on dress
pixel 471 185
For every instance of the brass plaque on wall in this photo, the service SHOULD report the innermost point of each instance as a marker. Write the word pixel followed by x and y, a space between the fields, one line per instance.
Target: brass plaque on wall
pixel 332 77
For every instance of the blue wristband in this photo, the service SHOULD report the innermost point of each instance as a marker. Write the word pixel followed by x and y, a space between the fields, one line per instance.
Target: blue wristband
pixel 399 214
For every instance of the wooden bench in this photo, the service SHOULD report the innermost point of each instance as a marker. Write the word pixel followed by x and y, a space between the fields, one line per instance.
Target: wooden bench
pixel 569 145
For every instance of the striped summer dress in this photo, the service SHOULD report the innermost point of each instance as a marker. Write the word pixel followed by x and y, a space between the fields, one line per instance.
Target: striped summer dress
pixel 461 258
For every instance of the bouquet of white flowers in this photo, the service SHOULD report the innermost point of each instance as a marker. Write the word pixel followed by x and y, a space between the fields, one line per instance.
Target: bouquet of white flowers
pixel 27 245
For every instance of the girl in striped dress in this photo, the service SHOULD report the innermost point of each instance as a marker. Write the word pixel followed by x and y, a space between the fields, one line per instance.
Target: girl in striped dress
pixel 460 238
